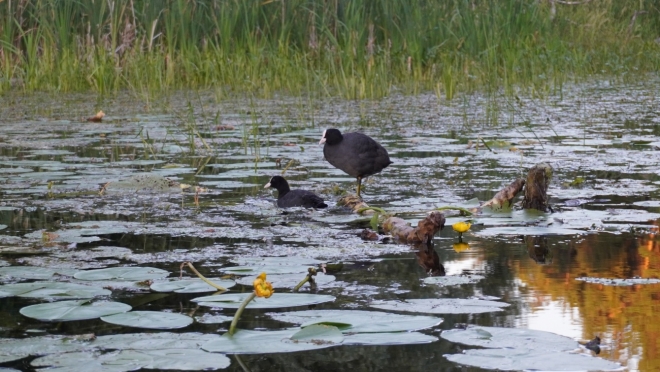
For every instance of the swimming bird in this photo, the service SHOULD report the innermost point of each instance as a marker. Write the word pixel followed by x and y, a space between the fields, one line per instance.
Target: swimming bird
pixel 288 198
pixel 355 153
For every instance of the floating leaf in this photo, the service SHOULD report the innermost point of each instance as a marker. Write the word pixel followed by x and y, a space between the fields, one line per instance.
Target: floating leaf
pixel 15 348
pixel 450 280
pixel 277 300
pixel 270 269
pixel 528 230
pixel 521 349
pixel 358 320
pixel 34 272
pixel 288 280
pixel 122 273
pixel 52 290
pixel 130 360
pixel 612 281
pixel 388 338
pixel 191 285
pixel 441 306
pixel 153 341
pixel 73 310
pixel 319 333
pixel 213 319
pixel 149 319
pixel 266 342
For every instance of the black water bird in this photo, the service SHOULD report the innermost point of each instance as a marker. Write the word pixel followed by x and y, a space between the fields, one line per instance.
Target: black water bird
pixel 288 198
pixel 355 153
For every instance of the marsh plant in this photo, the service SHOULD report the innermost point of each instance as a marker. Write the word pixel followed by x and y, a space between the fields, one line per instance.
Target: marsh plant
pixel 352 49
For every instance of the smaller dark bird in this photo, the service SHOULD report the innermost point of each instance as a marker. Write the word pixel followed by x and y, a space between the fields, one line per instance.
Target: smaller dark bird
pixel 288 198
pixel 355 153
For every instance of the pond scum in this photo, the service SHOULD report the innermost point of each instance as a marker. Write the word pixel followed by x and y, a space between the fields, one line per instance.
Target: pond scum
pixel 351 49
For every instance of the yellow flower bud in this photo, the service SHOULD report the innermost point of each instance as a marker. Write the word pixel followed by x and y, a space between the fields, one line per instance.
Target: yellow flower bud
pixel 461 227
pixel 262 288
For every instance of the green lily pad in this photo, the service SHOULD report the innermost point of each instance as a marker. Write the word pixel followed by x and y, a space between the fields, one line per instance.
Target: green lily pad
pixel 268 342
pixel 130 360
pixel 610 281
pixel 277 300
pixel 191 285
pixel 213 319
pixel 441 306
pixel 319 333
pixel 288 280
pixel 15 349
pixel 149 319
pixel 450 280
pixel 73 310
pixel 521 349
pixel 388 338
pixel 153 341
pixel 34 272
pixel 52 290
pixel 358 321
pixel 528 230
pixel 270 269
pixel 122 273
pixel 531 360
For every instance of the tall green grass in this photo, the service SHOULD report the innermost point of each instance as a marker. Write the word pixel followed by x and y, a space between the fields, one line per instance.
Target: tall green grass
pixel 347 48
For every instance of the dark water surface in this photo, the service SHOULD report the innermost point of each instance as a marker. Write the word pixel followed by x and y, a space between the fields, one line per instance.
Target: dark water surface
pixel 601 140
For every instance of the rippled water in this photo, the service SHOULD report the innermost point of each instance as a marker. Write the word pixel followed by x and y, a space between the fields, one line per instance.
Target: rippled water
pixel 601 140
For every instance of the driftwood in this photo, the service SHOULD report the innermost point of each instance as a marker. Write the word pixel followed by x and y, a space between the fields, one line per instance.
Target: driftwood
pixel 536 191
pixel 356 204
pixel 423 233
pixel 505 196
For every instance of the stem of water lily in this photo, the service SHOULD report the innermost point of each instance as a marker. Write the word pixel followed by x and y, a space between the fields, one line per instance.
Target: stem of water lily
pixel 462 210
pixel 203 278
pixel 232 327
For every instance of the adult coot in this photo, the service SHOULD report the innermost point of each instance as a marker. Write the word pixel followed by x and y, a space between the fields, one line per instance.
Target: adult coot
pixel 288 198
pixel 355 153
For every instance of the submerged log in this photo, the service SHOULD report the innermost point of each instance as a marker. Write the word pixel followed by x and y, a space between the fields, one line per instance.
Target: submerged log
pixel 504 197
pixel 536 191
pixel 429 260
pixel 423 233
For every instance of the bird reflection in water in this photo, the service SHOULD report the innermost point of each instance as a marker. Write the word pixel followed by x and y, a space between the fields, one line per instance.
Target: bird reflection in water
pixel 429 260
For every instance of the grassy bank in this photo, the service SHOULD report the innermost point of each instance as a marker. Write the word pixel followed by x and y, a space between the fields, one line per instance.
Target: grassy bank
pixel 352 49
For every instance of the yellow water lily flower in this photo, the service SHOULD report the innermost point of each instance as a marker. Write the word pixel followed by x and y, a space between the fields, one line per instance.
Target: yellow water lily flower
pixel 460 246
pixel 461 227
pixel 262 288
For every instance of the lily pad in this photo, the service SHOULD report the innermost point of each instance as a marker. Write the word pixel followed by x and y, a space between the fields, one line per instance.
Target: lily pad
pixel 288 280
pixel 73 310
pixel 153 341
pixel 191 285
pixel 360 321
pixel 531 360
pixel 213 319
pixel 268 342
pixel 52 290
pixel 277 300
pixel 149 319
pixel 122 273
pixel 521 349
pixel 450 280
pixel 388 338
pixel 270 269
pixel 34 272
pixel 528 230
pixel 441 306
pixel 613 281
pixel 130 360
pixel 14 349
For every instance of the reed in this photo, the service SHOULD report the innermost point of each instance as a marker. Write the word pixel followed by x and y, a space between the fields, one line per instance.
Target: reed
pixel 351 49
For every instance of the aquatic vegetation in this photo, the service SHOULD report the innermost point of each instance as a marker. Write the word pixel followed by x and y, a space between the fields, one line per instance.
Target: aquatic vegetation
pixel 352 50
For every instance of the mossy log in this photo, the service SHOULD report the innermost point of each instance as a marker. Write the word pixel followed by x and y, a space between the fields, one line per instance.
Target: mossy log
pixel 423 233
pixel 536 189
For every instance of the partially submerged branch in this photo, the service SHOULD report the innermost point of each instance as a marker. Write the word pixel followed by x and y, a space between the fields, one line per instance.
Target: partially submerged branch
pixel 423 233
pixel 504 197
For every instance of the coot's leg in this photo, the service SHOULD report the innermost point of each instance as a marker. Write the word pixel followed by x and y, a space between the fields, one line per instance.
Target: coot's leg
pixel 359 183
